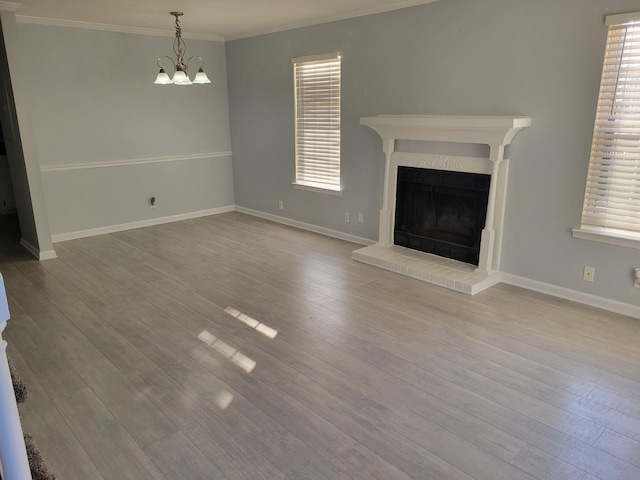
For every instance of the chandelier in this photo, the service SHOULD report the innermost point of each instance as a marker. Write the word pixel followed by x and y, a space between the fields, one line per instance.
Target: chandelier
pixel 181 74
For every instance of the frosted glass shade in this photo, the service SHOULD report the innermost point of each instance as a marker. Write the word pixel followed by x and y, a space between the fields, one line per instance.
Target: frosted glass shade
pixel 201 77
pixel 162 78
pixel 180 78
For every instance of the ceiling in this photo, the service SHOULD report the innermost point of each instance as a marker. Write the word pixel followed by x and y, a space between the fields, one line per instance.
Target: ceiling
pixel 224 19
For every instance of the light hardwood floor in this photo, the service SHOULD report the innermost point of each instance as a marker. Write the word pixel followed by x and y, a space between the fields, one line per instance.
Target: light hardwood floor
pixel 232 348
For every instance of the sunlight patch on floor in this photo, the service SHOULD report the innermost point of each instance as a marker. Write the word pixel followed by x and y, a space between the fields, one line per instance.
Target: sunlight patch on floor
pixel 252 322
pixel 233 355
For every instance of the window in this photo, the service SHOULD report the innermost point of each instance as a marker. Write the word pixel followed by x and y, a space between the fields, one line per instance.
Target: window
pixel 611 209
pixel 317 122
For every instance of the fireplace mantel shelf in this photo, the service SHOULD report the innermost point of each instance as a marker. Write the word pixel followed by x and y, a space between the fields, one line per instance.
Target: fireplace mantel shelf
pixel 495 131
pixel 490 130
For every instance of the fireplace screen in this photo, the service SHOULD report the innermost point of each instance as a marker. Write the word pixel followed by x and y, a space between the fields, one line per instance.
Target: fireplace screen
pixel 441 212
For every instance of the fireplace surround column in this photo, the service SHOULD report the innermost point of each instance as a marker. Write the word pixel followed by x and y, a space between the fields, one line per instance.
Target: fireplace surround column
pixel 486 264
pixel 385 230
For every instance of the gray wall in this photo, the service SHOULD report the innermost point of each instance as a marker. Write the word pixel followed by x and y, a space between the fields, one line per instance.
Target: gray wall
pixel 539 58
pixel 92 100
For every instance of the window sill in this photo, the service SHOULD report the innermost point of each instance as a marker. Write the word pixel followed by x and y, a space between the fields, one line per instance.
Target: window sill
pixel 313 188
pixel 609 236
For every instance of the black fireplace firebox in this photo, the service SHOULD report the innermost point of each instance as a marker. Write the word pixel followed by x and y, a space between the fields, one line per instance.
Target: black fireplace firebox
pixel 441 212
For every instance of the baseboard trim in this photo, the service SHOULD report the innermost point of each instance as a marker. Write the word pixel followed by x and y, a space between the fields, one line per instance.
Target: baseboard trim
pixel 306 226
pixel 62 237
pixel 573 295
pixel 44 255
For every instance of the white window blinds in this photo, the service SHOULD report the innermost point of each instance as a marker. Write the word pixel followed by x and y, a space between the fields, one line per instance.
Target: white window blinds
pixel 317 121
pixel 612 194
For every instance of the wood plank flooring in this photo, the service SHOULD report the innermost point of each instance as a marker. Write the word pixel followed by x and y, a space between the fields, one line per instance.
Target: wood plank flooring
pixel 232 348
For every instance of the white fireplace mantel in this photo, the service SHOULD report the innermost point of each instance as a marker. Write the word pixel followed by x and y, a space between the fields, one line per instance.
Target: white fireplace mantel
pixel 495 131
pixel 485 130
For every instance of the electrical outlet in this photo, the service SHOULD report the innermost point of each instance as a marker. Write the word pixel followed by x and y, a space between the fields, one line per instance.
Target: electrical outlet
pixel 281 204
pixel 588 273
pixel 361 217
pixel 346 217
pixel 636 284
pixel 152 202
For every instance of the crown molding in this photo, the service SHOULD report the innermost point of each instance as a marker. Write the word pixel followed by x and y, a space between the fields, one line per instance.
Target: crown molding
pixel 57 22
pixel 334 18
pixel 9 6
